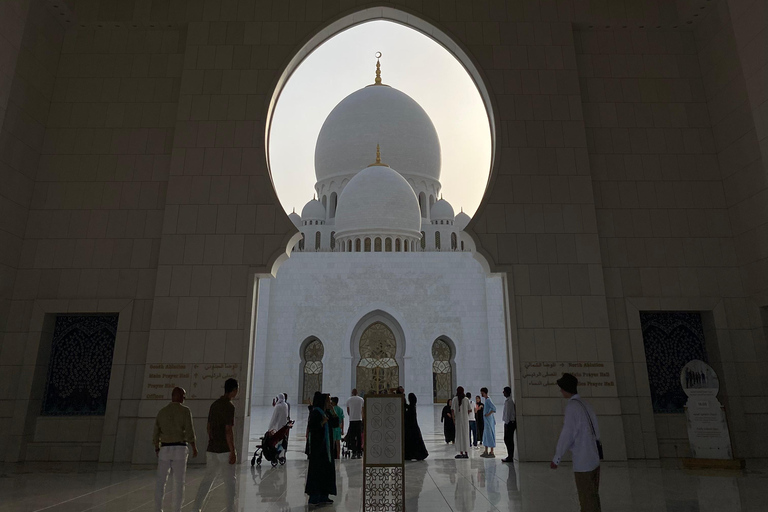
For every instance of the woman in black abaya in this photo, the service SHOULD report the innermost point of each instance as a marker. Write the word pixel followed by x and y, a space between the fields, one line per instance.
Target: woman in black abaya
pixel 449 427
pixel 479 418
pixel 321 475
pixel 414 443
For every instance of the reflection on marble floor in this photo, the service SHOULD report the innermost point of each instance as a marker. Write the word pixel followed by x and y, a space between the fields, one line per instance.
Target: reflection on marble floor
pixel 441 483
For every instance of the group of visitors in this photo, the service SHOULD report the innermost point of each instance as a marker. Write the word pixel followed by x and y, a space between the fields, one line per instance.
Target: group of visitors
pixel 174 434
pixel 468 423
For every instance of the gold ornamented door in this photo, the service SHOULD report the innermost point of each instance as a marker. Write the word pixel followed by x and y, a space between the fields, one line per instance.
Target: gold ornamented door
pixel 442 374
pixel 377 371
pixel 313 370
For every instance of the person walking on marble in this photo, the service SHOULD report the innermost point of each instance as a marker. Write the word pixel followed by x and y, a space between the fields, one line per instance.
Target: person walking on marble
pixel 449 427
pixel 580 435
pixel 460 408
pixel 321 473
pixel 174 433
pixel 288 434
pixel 479 419
pixel 355 432
pixel 414 447
pixel 221 456
pixel 472 422
pixel 509 417
pixel 280 418
pixel 489 429
pixel 338 432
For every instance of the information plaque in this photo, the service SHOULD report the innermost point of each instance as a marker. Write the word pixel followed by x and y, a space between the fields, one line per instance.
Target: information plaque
pixel 383 458
pixel 707 427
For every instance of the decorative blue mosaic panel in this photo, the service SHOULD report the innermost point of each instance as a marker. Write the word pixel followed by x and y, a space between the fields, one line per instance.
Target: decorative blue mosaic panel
pixel 671 339
pixel 80 365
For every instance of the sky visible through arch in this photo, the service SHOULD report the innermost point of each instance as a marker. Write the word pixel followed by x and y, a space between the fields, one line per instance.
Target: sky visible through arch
pixel 412 63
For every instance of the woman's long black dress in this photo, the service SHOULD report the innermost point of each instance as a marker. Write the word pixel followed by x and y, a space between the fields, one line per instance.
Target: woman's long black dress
pixel 480 421
pixel 321 475
pixel 414 442
pixel 449 427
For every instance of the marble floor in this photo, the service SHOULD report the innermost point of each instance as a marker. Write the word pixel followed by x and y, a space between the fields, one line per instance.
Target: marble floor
pixel 439 484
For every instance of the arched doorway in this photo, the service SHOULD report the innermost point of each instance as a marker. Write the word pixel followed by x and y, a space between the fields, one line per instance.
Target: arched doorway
pixel 377 370
pixel 442 371
pixel 312 369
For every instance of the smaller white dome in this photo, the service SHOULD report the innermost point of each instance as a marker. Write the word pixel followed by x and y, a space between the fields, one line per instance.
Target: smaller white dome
pixel 378 201
pixel 295 218
pixel 313 210
pixel 441 210
pixel 462 219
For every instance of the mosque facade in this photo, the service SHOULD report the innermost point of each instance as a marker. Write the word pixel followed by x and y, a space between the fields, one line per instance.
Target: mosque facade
pixel 383 288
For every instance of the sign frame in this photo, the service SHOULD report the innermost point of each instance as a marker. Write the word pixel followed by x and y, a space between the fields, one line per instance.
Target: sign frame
pixel 369 400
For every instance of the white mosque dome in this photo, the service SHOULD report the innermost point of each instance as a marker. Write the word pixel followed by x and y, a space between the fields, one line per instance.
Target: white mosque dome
pixel 377 114
pixel 441 210
pixel 462 220
pixel 295 218
pixel 378 201
pixel 313 210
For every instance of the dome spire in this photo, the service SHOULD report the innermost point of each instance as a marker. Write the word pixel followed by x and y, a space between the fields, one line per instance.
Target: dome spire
pixel 378 162
pixel 377 81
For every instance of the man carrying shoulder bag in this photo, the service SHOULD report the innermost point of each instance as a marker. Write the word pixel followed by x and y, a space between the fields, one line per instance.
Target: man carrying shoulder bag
pixel 580 435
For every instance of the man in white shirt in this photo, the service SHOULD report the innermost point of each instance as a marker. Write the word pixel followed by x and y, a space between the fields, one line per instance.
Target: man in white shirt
pixel 510 424
pixel 580 435
pixel 355 432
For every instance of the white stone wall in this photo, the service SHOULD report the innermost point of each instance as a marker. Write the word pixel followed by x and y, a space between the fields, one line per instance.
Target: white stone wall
pixel 429 295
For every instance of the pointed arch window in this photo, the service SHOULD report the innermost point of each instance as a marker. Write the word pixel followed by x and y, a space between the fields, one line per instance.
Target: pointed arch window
pixel 377 369
pixel 388 245
pixel 367 245
pixel 442 372
pixel 437 240
pixel 397 245
pixel 317 241
pixel 453 241
pixel 333 240
pixel 313 370
pixel 357 245
pixel 423 240
pixel 377 244
pixel 332 205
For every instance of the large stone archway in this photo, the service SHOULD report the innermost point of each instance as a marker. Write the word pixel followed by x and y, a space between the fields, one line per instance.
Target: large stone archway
pixel 140 175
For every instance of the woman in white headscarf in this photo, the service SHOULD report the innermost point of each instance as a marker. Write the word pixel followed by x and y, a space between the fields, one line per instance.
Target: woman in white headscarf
pixel 279 414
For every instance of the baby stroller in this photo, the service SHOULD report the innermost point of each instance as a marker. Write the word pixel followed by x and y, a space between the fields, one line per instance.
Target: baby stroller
pixel 346 448
pixel 271 447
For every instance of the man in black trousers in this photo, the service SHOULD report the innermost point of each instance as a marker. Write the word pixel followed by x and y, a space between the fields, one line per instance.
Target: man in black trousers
pixel 510 424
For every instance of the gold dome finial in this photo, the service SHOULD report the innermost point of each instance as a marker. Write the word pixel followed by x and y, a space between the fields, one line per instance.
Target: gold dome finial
pixel 378 69
pixel 378 162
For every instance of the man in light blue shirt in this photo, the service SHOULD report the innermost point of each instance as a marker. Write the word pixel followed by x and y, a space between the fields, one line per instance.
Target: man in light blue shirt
pixel 580 435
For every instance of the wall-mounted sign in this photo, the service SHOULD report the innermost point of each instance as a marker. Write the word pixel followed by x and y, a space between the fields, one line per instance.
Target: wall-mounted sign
pixel 591 374
pixel 200 380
